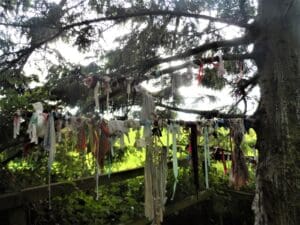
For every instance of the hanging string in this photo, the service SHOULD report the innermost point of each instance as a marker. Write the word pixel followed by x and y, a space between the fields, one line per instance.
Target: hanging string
pixel 49 189
pixel 109 164
pixel 206 155
pixel 207 147
pixel 97 180
pixel 175 160
pixel 168 138
pixel 241 71
pixel 49 145
pixel 97 169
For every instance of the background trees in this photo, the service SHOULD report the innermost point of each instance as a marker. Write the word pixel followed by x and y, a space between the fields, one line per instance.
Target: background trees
pixel 158 33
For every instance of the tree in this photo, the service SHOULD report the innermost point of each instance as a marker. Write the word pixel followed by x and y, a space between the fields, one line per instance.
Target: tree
pixel 177 29
pixel 277 48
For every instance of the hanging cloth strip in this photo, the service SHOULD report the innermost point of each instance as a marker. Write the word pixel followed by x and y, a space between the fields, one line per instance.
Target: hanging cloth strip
pixel 81 138
pixel 128 88
pixel 49 145
pixel 147 110
pixel 206 156
pixel 16 124
pixel 195 163
pixel 174 129
pixel 107 89
pixel 188 76
pixel 220 67
pixel 104 145
pixel 240 66
pixel 58 125
pixel 96 96
pixel 155 183
pixel 112 142
pixel 32 128
pixel 200 75
pixel 50 139
pixel 155 166
pixel 139 142
pixel 40 121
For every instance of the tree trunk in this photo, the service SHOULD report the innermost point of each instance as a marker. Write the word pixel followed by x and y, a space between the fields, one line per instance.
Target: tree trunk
pixel 277 49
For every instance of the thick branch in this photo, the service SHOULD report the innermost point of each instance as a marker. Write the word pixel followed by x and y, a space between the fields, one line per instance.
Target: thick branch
pixel 15 25
pixel 141 13
pixel 226 57
pixel 242 85
pixel 202 48
pixel 144 66
pixel 205 114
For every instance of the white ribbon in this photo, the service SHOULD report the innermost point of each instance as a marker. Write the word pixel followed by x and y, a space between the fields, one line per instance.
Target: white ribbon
pixel 96 96
pixel 221 68
pixel 174 130
pixel 17 124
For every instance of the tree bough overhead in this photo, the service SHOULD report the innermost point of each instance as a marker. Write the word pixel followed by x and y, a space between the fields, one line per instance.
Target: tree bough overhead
pixel 157 34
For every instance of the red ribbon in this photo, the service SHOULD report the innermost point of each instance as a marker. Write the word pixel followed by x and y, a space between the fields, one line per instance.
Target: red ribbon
pixel 200 74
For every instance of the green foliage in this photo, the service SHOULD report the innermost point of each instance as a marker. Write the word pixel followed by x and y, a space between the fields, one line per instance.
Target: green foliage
pixel 212 80
pixel 71 164
pixel 122 202
pixel 118 202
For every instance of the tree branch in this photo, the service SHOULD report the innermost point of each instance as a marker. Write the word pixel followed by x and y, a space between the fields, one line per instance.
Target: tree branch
pixel 226 57
pixel 141 13
pixel 26 52
pixel 241 87
pixel 152 62
pixel 15 25
pixel 206 114
pixel 117 91
pixel 202 48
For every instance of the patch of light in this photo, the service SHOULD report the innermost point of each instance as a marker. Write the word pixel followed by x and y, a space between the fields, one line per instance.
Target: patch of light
pixel 195 97
pixel 72 110
pixel 250 47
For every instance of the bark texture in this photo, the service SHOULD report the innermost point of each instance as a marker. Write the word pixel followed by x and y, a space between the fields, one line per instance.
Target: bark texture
pixel 277 50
